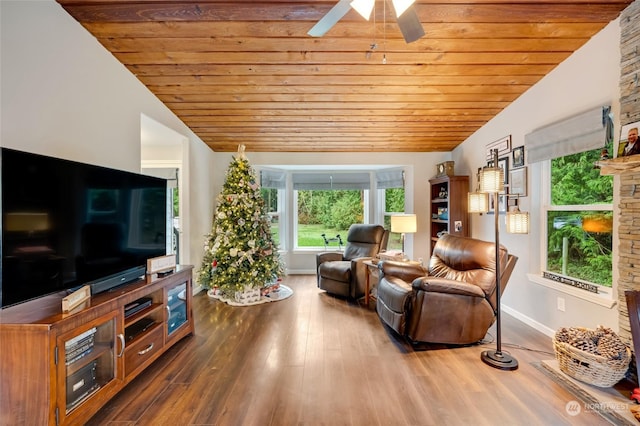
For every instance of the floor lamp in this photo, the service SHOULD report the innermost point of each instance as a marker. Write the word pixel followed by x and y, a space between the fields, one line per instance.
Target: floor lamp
pixel 491 182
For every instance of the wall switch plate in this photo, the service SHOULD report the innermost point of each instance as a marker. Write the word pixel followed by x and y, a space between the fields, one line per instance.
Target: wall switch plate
pixel 561 304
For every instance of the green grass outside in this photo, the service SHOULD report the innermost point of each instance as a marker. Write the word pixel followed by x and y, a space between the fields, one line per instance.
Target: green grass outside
pixel 311 236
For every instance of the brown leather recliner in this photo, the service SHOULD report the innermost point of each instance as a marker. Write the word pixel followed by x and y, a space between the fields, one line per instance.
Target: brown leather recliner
pixel 343 274
pixel 453 301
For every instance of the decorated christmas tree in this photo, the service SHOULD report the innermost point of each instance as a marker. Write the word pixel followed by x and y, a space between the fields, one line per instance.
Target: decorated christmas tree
pixel 240 253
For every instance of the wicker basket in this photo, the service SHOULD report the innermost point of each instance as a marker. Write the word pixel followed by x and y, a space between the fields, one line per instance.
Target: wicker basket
pixel 590 368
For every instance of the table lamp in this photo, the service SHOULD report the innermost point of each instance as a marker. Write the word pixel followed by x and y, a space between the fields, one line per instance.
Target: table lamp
pixel 403 224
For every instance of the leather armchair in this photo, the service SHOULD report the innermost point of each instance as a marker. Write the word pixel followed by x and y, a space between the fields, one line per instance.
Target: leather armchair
pixel 453 301
pixel 343 274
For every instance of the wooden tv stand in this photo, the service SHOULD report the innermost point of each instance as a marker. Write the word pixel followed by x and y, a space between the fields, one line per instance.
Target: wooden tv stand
pixel 60 368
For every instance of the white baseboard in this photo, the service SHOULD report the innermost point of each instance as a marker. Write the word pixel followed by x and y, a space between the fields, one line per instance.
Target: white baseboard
pixel 301 272
pixel 529 321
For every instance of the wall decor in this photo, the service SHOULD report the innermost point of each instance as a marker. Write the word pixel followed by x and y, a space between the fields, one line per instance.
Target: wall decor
pixel 445 169
pixel 629 144
pixel 502 204
pixel 503 163
pixel 518 182
pixel 517 156
pixel 503 145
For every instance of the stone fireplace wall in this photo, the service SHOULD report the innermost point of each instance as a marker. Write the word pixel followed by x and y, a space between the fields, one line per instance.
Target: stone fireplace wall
pixel 629 207
pixel 629 247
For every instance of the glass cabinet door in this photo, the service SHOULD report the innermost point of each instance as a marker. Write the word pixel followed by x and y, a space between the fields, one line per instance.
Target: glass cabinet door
pixel 87 360
pixel 176 307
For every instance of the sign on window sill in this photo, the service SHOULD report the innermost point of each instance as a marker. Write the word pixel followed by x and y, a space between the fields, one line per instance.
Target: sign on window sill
pixel 571 281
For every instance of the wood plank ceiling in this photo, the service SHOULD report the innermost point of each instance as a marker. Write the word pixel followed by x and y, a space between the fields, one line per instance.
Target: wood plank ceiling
pixel 247 72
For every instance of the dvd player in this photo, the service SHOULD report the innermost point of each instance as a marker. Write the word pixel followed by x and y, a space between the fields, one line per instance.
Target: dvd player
pixel 136 306
pixel 138 328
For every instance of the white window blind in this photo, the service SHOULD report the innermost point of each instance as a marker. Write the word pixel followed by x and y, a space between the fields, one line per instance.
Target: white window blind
pixel 331 181
pixel 582 132
pixel 273 179
pixel 390 178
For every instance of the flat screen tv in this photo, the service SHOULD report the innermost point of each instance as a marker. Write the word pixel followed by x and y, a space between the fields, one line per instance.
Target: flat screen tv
pixel 66 224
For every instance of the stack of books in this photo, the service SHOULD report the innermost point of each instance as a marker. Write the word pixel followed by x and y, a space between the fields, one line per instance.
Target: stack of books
pixel 79 346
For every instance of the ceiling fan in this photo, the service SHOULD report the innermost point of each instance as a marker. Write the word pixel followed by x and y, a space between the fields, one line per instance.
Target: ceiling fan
pixel 406 16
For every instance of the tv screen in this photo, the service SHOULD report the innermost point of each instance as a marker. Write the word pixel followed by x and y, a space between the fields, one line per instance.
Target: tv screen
pixel 66 223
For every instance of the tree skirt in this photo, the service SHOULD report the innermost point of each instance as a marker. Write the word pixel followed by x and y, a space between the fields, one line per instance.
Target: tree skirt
pixel 283 292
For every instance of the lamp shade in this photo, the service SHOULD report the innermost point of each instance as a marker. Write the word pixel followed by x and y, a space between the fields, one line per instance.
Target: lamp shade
pixel 517 222
pixel 363 7
pixel 491 179
pixel 478 202
pixel 26 222
pixel 401 5
pixel 404 223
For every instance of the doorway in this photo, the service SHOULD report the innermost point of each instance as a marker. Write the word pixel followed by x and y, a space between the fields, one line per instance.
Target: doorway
pixel 163 154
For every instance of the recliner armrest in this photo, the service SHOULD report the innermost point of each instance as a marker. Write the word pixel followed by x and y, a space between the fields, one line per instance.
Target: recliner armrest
pixel 445 285
pixel 405 271
pixel 328 256
pixel 357 265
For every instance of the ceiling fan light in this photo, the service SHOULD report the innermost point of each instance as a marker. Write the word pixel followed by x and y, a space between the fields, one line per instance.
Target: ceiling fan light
pixel 363 7
pixel 401 6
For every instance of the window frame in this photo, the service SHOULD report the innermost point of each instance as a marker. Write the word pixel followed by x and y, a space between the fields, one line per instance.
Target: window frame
pixel 366 203
pixel 280 213
pixel 383 213
pixel 373 210
pixel 606 295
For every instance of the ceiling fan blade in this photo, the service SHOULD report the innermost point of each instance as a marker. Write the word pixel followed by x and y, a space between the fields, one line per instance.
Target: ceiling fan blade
pixel 410 25
pixel 331 18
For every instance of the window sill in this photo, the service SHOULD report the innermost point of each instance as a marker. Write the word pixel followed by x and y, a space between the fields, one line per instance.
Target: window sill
pixel 603 299
pixel 314 250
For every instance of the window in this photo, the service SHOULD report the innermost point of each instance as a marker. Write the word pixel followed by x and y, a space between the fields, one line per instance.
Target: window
pixel 328 212
pixel 328 203
pixel 390 183
pixel 579 216
pixel 393 204
pixel 272 206
pixel 273 184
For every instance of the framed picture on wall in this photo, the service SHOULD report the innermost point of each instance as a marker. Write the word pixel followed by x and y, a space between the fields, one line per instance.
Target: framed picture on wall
pixel 502 204
pixel 518 182
pixel 503 145
pixel 629 144
pixel 517 157
pixel 503 163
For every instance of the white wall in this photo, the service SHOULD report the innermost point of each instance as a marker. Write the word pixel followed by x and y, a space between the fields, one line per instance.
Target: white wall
pixel 587 79
pixel 64 95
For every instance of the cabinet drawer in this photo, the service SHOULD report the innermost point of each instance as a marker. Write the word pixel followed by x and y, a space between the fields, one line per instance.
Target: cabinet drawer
pixel 143 349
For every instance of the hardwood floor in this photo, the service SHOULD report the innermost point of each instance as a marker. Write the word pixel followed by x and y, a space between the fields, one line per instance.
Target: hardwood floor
pixel 318 360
